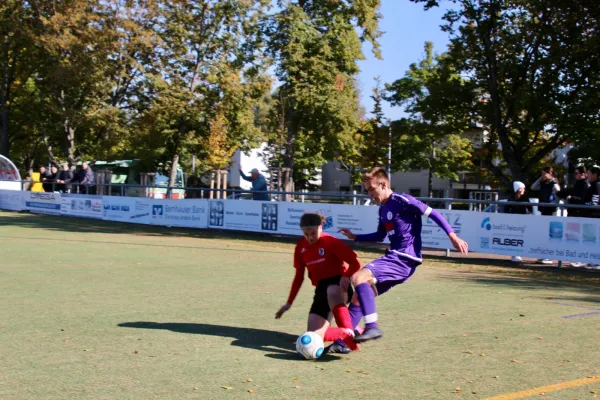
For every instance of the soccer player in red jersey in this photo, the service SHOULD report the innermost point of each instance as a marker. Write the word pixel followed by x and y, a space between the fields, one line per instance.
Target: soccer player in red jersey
pixel 330 264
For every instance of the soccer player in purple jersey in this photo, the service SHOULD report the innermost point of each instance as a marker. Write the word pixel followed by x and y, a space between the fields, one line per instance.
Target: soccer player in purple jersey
pixel 399 220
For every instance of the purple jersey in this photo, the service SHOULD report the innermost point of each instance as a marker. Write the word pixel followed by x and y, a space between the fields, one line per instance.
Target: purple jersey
pixel 400 220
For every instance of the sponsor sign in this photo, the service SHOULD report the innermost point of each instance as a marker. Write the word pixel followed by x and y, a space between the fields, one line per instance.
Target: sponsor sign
pixel 126 209
pixel 190 213
pixel 42 202
pixel 11 200
pixel 76 205
pixel 360 219
pixel 243 215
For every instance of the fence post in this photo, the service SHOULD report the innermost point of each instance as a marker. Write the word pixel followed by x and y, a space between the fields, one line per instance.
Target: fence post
pixel 448 207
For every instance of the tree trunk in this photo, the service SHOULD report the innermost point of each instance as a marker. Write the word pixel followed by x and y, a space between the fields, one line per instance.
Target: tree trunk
pixel 173 174
pixel 70 143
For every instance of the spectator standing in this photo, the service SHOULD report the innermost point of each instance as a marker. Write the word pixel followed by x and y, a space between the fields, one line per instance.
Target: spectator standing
pixel 548 188
pixel 259 185
pixel 85 177
pixel 592 198
pixel 576 194
pixel 518 196
pixel 45 177
pixel 64 178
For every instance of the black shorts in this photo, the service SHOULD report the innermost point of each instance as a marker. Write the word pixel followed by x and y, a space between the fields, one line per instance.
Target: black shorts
pixel 320 305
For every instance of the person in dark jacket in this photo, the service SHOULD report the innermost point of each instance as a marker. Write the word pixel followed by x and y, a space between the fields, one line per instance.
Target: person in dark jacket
pixel 548 188
pixel 85 177
pixel 64 178
pixel 518 195
pixel 45 179
pixel 592 196
pixel 576 194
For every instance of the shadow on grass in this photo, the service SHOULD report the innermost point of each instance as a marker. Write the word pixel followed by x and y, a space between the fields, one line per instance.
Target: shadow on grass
pixel 578 290
pixel 280 345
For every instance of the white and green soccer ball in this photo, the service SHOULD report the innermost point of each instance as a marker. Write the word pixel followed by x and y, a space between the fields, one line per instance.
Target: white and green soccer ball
pixel 309 345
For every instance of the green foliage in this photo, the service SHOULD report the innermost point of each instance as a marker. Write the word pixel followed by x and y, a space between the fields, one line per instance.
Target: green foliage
pixel 533 68
pixel 431 137
pixel 316 46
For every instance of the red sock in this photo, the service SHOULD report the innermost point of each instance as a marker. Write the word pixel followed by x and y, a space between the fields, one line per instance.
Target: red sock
pixel 343 320
pixel 332 334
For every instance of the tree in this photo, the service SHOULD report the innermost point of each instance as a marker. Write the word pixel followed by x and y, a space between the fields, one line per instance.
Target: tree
pixel 207 77
pixel 533 66
pixel 316 45
pixel 431 136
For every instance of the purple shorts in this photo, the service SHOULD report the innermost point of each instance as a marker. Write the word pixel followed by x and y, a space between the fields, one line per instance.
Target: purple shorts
pixel 390 270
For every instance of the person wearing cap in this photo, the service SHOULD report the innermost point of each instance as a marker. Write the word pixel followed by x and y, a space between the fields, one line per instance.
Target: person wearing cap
pixel 518 196
pixel 259 185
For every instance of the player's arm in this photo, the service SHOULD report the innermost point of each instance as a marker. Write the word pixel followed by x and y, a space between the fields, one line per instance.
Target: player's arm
pixel 296 283
pixel 440 221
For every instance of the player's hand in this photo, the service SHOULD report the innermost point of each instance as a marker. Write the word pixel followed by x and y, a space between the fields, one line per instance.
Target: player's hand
pixel 458 243
pixel 283 309
pixel 348 233
pixel 344 283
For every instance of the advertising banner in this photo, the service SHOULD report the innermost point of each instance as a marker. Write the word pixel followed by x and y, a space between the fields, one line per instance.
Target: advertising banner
pixel 190 213
pixel 42 202
pixel 126 209
pixel 360 219
pixel 242 215
pixel 11 200
pixel 78 205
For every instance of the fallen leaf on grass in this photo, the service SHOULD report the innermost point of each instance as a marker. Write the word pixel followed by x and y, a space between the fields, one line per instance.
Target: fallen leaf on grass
pixel 227 387
pixel 136 352
pixel 466 334
pixel 195 387
pixel 297 387
pixel 468 352
pixel 483 355
pixel 496 377
pixel 458 390
pixel 540 337
pixel 249 380
pixel 250 390
pixel 347 358
pixel 348 370
pixel 296 379
pixel 515 361
pixel 521 315
pixel 63 330
pixel 594 391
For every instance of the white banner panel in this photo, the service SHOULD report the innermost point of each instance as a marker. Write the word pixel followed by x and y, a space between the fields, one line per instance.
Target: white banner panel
pixel 79 205
pixel 126 209
pixel 42 202
pixel 190 213
pixel 361 219
pixel 244 215
pixel 11 200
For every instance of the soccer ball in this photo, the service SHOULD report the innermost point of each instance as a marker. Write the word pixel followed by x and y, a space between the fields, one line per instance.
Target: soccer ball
pixel 309 345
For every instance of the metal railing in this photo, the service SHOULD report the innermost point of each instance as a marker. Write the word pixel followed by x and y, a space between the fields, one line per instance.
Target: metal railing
pixel 492 204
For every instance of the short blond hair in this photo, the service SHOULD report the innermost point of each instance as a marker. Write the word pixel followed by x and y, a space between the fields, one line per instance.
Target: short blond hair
pixel 376 173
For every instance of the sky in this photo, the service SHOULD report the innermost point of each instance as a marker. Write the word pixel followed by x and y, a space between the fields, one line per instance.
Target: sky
pixel 406 28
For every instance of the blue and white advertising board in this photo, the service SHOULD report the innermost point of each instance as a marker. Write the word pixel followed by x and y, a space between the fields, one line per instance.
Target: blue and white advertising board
pixel 126 209
pixel 42 202
pixel 11 200
pixel 192 213
pixel 78 205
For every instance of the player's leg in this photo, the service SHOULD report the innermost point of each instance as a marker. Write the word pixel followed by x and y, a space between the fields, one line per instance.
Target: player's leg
pixel 338 298
pixel 362 281
pixel 319 318
pixel 355 312
pixel 380 276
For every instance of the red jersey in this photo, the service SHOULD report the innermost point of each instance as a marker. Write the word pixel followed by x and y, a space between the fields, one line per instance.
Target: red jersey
pixel 328 257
